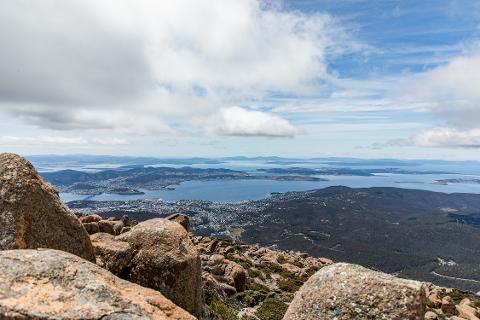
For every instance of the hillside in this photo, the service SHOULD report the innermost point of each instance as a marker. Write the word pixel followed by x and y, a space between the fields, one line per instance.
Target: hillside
pixel 423 235
pixel 416 234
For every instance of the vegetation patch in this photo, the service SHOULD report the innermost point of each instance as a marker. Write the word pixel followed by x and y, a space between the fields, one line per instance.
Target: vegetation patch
pixel 269 268
pixel 458 295
pixel 289 285
pixel 272 309
pixel 216 308
pixel 251 298
pixel 257 287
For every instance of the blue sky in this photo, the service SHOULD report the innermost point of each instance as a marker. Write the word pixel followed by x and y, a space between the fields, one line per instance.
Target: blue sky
pixel 405 35
pixel 305 78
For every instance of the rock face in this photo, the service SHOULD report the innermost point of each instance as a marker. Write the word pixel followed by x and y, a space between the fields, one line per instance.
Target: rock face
pixel 32 215
pixel 344 291
pixel 165 259
pixel 51 284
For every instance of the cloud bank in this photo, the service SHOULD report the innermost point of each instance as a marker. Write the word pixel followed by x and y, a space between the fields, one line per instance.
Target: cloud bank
pixel 48 140
pixel 451 93
pixel 139 67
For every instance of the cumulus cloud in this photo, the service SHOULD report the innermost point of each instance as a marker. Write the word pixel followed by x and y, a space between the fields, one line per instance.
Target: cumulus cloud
pixel 237 121
pixel 123 65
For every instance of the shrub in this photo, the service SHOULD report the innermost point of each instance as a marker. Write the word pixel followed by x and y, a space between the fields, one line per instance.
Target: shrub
pixel 216 308
pixel 272 309
pixel 221 311
pixel 458 295
pixel 270 268
pixel 289 285
pixel 254 273
pixel 257 287
pixel 251 298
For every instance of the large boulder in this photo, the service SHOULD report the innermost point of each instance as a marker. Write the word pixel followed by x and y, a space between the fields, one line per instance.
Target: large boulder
pixel 52 284
pixel 166 260
pixel 113 255
pixel 345 291
pixel 32 215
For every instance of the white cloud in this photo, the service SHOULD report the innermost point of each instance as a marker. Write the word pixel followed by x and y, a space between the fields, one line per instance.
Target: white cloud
pixel 236 121
pixel 55 140
pixel 139 66
pixel 453 90
pixel 451 94
pixel 448 137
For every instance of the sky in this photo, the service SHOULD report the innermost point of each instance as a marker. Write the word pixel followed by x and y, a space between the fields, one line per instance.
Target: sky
pixel 295 78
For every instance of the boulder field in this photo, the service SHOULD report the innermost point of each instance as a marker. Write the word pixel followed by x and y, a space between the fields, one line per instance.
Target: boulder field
pixel 155 269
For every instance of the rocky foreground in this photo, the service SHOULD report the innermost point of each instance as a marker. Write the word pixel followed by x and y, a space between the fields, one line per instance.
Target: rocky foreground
pixel 56 265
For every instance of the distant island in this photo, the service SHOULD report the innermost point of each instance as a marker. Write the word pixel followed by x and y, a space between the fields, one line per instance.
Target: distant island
pixel 458 180
pixel 345 171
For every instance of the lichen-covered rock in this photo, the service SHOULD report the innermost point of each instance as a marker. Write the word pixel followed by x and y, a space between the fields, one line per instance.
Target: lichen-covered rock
pixel 52 284
pixel 32 215
pixel 344 291
pixel 114 255
pixel 166 260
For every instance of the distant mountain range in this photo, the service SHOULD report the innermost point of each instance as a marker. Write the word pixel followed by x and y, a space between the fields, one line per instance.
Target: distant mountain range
pixel 80 159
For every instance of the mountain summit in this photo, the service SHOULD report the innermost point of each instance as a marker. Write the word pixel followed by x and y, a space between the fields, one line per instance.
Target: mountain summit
pixel 156 269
